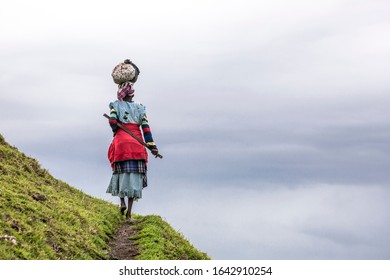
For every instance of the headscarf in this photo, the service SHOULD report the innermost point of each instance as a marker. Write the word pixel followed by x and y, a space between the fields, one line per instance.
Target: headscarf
pixel 124 90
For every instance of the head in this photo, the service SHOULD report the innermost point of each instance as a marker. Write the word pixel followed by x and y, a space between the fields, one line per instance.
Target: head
pixel 125 91
pixel 125 75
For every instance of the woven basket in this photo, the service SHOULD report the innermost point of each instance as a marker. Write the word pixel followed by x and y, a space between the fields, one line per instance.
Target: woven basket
pixel 123 72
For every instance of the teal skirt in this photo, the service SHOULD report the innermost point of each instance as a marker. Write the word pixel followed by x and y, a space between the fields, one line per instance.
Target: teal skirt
pixel 126 185
pixel 128 179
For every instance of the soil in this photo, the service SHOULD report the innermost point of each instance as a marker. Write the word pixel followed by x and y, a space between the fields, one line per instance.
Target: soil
pixel 122 247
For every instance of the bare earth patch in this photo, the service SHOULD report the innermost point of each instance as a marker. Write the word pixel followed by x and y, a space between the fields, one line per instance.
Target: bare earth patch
pixel 122 247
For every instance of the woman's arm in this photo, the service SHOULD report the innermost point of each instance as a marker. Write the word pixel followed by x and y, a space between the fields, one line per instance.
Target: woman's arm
pixel 148 135
pixel 113 120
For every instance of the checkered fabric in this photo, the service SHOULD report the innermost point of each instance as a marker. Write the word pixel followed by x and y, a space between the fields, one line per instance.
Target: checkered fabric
pixel 130 166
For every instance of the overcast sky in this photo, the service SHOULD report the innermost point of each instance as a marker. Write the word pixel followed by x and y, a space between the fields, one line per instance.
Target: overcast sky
pixel 272 116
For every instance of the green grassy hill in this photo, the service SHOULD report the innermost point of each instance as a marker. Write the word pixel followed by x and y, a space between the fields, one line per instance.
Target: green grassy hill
pixel 42 217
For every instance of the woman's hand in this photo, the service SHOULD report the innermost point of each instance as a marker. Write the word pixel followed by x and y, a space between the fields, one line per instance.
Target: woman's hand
pixel 154 152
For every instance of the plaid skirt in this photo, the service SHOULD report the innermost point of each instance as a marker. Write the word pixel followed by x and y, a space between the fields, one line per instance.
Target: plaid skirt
pixel 130 166
pixel 128 179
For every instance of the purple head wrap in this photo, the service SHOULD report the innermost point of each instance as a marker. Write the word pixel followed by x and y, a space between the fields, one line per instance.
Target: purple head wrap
pixel 125 89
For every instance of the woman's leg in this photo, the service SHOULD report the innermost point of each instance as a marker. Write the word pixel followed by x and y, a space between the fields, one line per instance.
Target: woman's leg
pixel 129 206
pixel 123 205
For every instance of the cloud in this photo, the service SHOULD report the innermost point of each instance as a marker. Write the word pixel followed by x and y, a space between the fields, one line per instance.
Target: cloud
pixel 264 111
pixel 270 222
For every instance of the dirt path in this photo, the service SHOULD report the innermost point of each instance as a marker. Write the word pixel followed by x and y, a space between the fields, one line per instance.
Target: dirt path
pixel 122 247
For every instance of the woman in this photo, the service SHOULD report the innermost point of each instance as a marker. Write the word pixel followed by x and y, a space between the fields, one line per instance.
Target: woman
pixel 128 158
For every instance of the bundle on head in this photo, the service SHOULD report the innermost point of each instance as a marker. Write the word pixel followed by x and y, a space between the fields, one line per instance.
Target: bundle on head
pixel 124 72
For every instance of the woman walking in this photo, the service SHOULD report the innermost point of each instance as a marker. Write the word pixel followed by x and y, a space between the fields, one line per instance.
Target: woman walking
pixel 128 158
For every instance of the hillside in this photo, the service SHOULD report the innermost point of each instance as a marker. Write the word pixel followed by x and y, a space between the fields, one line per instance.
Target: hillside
pixel 42 217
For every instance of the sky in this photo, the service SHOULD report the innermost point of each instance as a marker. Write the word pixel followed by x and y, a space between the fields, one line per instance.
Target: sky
pixel 272 116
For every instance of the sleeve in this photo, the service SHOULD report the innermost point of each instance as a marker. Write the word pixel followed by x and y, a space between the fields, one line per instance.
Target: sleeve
pixel 113 120
pixel 147 133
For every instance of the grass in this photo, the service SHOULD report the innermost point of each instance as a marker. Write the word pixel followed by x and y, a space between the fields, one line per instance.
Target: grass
pixel 48 218
pixel 157 240
pixel 42 217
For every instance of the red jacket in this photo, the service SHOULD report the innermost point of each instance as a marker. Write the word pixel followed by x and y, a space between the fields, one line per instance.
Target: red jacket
pixel 125 147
